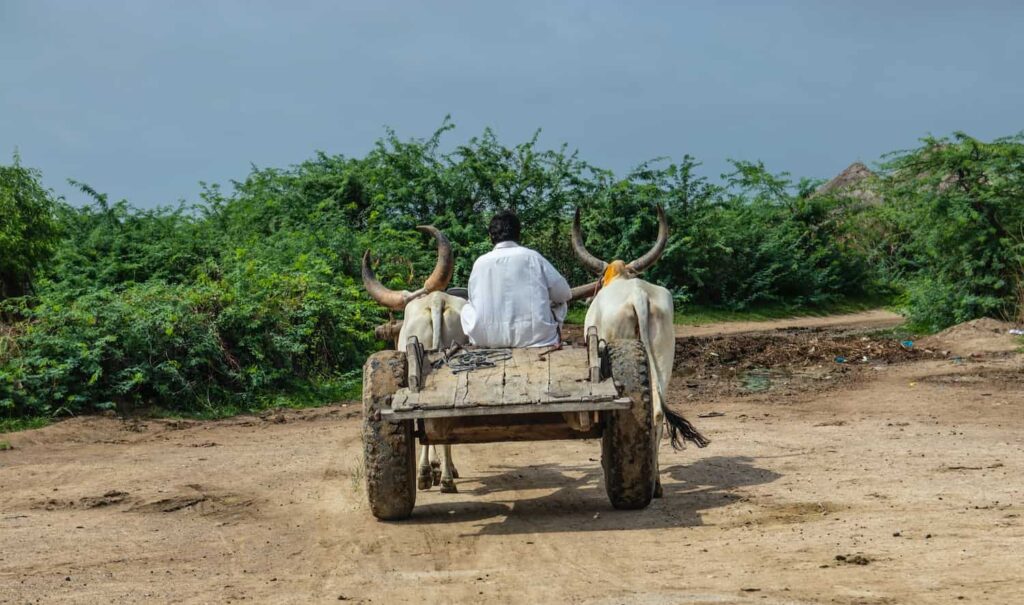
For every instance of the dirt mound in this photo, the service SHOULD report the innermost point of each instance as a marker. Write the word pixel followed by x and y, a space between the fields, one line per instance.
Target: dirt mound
pixel 793 348
pixel 975 337
pixel 782 363
pixel 976 327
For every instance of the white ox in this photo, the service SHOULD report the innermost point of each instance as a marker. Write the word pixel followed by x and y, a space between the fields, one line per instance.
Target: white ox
pixel 626 307
pixel 432 316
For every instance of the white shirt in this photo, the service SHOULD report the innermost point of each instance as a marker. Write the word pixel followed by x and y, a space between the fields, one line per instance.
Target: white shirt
pixel 516 299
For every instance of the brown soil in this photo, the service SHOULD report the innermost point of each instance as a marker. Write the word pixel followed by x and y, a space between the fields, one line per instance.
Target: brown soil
pixel 897 480
pixel 979 336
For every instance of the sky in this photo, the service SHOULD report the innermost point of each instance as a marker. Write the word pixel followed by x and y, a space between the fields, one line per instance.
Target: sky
pixel 143 100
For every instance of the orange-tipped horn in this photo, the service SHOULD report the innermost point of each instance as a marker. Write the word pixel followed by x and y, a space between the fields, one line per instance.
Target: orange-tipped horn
pixel 391 299
pixel 587 259
pixel 645 261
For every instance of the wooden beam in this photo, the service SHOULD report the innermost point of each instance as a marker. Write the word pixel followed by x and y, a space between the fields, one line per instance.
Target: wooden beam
pixel 414 354
pixel 596 404
pixel 531 427
pixel 593 355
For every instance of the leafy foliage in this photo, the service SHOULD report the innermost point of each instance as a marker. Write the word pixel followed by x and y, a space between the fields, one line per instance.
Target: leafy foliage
pixel 953 227
pixel 28 231
pixel 759 239
pixel 253 294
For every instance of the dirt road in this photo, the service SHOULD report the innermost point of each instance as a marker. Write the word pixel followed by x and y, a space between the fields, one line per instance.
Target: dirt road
pixel 889 482
pixel 873 319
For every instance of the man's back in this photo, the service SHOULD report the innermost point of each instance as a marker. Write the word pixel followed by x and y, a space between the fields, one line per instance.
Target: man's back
pixel 511 292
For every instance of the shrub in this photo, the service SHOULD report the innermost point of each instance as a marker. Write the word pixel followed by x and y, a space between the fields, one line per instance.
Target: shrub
pixel 28 230
pixel 250 293
pixel 954 212
pixel 185 347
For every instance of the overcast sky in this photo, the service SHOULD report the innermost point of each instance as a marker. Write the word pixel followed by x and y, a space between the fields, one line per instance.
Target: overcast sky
pixel 142 99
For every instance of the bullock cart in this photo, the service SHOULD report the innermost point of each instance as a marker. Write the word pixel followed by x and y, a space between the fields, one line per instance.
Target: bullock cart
pixel 598 391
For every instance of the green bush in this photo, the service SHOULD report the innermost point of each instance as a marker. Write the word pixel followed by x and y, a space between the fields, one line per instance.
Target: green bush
pixel 954 226
pixel 759 239
pixel 28 229
pixel 252 293
pixel 185 347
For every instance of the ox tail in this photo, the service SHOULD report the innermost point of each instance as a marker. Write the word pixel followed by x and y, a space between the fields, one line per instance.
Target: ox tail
pixel 436 318
pixel 680 430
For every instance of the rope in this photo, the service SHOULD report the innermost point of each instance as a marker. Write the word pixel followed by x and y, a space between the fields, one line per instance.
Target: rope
pixel 468 361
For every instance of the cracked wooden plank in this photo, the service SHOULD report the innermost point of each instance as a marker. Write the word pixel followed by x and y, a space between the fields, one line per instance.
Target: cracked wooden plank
pixel 523 379
pixel 485 385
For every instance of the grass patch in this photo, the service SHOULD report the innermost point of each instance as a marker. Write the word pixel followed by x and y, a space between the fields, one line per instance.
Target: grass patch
pixel 901 332
pixel 577 313
pixel 305 395
pixel 695 315
pixel 348 387
pixel 4 446
pixel 13 425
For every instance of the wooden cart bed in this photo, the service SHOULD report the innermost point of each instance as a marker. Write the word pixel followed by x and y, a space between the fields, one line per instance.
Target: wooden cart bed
pixel 523 384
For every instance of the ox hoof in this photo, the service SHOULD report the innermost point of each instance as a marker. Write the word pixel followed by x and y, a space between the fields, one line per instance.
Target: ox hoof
pixel 658 491
pixel 435 476
pixel 424 481
pixel 448 487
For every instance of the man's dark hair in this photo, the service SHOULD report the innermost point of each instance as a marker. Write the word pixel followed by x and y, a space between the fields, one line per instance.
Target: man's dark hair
pixel 504 227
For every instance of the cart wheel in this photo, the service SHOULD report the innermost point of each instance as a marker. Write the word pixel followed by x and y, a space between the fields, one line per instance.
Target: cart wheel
pixel 389 448
pixel 628 442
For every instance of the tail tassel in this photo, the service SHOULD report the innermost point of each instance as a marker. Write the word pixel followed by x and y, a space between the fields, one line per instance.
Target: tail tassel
pixel 680 430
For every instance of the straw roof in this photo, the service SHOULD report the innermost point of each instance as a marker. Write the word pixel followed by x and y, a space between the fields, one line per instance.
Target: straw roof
pixel 853 182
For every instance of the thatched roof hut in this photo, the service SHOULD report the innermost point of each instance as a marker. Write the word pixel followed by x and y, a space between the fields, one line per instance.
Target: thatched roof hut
pixel 856 182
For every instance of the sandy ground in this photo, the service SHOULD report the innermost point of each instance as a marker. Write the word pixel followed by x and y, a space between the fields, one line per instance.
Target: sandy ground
pixel 900 483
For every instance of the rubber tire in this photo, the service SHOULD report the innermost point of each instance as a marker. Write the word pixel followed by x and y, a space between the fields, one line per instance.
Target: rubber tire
pixel 628 440
pixel 389 448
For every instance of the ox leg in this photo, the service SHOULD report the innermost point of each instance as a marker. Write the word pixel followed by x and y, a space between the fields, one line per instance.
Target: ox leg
pixel 435 466
pixel 424 479
pixel 447 471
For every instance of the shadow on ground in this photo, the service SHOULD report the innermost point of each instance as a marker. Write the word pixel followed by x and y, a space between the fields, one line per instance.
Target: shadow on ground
pixel 579 502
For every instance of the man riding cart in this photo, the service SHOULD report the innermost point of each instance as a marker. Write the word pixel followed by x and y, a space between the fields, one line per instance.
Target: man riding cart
pixel 493 369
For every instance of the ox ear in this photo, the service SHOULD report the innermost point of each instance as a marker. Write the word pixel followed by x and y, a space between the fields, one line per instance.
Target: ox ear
pixel 587 259
pixel 459 292
pixel 639 265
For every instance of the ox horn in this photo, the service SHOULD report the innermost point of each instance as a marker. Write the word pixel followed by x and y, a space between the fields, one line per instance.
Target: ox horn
pixel 445 266
pixel 391 299
pixel 438 279
pixel 585 291
pixel 640 264
pixel 586 258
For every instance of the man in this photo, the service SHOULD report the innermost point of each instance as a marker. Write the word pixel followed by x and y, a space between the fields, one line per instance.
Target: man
pixel 516 297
